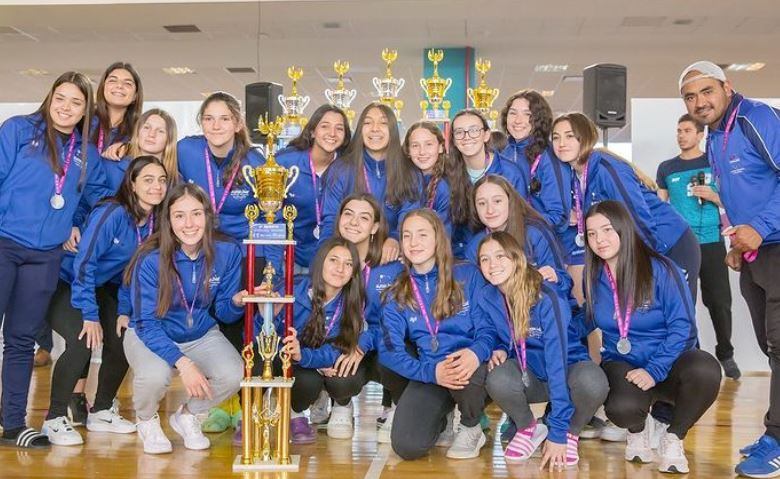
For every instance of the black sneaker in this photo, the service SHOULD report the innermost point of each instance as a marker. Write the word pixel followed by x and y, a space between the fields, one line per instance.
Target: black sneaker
pixel 730 368
pixel 78 409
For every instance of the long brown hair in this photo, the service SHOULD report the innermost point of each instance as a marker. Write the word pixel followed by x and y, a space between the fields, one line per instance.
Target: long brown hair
pixel 377 240
pixel 522 287
pixel 169 158
pixel 165 240
pixel 403 183
pixel 634 275
pixel 132 112
pixel 242 143
pixel 461 208
pixel 48 134
pixel 441 161
pixel 585 132
pixel 352 295
pixel 449 293
pixel 541 121
pixel 520 211
pixel 305 139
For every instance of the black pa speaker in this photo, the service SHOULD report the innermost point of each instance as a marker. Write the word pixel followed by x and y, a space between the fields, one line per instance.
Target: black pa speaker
pixel 261 98
pixel 604 94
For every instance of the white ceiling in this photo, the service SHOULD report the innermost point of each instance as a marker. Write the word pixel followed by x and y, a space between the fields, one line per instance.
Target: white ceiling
pixel 654 39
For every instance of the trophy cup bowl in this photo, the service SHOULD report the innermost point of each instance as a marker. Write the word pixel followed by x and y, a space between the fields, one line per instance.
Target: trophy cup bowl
pixel 270 184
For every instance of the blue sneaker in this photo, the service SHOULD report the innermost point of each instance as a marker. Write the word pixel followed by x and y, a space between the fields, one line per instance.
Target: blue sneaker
pixel 748 450
pixel 764 460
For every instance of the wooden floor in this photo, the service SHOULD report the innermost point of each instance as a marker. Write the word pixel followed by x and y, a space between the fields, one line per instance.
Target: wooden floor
pixel 733 421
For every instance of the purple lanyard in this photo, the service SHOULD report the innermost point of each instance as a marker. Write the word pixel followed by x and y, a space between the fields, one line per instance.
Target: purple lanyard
pixel 535 165
pixel 580 189
pixel 151 228
pixel 101 138
pixel 623 322
pixel 189 307
pixel 434 331
pixel 521 354
pixel 432 194
pixel 317 208
pixel 366 274
pixel 726 134
pixel 59 181
pixel 365 177
pixel 217 207
pixel 335 316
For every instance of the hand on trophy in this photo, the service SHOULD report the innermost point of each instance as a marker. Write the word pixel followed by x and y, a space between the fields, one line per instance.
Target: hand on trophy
pixel 195 382
pixel 347 364
pixel 291 345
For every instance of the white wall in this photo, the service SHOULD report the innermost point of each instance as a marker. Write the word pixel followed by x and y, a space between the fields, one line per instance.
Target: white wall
pixel 653 135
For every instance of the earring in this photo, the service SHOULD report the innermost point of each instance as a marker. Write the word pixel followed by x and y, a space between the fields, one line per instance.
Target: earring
pixel 371 238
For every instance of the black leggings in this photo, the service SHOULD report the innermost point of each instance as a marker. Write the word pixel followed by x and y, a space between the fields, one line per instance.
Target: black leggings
pixel 691 387
pixel 309 383
pixel 68 323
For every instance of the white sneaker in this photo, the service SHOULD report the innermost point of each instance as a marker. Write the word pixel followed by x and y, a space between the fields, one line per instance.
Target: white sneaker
pixel 340 422
pixel 109 420
pixel 612 433
pixel 154 439
pixel 61 433
pixel 467 443
pixel 383 434
pixel 671 454
pixel 658 430
pixel 638 446
pixel 318 412
pixel 188 427
pixel 447 436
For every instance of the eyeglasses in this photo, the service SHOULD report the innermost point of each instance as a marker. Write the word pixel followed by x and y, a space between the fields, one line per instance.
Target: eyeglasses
pixel 473 132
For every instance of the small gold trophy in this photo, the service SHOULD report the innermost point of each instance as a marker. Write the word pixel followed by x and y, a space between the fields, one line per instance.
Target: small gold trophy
pixel 270 184
pixel 389 87
pixel 436 108
pixel 341 97
pixel 293 105
pixel 482 97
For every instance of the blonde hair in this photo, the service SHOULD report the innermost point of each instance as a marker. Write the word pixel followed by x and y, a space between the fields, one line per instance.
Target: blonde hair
pixel 168 157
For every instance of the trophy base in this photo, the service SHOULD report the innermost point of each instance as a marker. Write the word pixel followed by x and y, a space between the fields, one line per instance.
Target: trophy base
pixel 266 466
pixel 277 382
pixel 268 231
pixel 437 116
pixel 257 299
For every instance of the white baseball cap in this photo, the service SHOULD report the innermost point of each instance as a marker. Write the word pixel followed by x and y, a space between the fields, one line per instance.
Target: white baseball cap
pixel 705 68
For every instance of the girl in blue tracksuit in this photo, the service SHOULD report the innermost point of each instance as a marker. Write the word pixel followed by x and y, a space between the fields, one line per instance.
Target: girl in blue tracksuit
pixel 327 325
pixel 599 175
pixel 469 160
pixel 375 164
pixel 435 307
pixel 46 167
pixel 324 137
pixel 84 307
pixel 424 146
pixel 639 301
pixel 527 121
pixel 118 105
pixel 183 279
pixel 538 356
pixel 498 207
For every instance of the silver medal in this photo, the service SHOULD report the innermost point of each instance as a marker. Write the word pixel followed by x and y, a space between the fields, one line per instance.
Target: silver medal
pixel 579 240
pixel 434 344
pixel 624 346
pixel 526 378
pixel 316 232
pixel 189 319
pixel 57 201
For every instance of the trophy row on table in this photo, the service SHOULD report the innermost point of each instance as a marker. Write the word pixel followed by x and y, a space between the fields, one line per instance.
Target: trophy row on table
pixel 265 399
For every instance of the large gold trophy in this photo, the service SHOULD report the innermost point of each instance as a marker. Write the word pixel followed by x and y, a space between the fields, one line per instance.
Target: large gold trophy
pixel 389 87
pixel 482 97
pixel 270 184
pixel 341 97
pixel 435 108
pixel 265 399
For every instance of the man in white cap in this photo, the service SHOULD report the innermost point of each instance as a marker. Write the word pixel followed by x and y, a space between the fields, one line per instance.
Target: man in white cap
pixel 743 148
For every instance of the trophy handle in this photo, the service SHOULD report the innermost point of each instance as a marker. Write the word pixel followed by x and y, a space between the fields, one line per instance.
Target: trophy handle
pixel 401 83
pixel 292 176
pixel 351 94
pixel 329 96
pixel 283 103
pixel 424 86
pixel 470 94
pixel 447 86
pixel 249 176
pixel 377 84
pixel 304 102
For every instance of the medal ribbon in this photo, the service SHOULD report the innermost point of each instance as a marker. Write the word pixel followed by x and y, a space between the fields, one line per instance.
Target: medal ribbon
pixel 421 304
pixel 520 355
pixel 335 316
pixel 580 189
pixel 59 181
pixel 218 207
pixel 151 228
pixel 189 307
pixel 317 208
pixel 623 321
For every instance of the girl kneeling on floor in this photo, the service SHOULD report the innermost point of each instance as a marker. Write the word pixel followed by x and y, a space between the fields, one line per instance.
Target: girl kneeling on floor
pixel 534 360
pixel 177 278
pixel 434 305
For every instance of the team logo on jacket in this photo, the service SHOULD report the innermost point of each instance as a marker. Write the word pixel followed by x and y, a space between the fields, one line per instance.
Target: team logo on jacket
pixel 534 332
pixel 77 157
pixel 412 319
pixel 214 280
pixel 239 193
pixel 735 163
pixel 116 240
